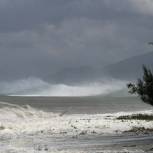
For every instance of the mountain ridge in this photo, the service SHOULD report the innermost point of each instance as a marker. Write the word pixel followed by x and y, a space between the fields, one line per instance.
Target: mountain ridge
pixel 130 68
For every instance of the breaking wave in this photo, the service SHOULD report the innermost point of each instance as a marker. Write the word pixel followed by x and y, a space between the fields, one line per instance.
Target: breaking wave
pixel 38 87
pixel 15 119
pixel 27 130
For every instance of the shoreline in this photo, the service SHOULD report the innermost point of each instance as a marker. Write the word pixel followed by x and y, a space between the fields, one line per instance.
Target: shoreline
pixel 23 127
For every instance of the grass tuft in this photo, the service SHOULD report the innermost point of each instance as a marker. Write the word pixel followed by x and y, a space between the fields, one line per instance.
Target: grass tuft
pixel 136 117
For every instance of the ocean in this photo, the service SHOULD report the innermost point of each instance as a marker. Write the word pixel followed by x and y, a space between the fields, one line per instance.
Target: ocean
pixel 80 105
pixel 67 124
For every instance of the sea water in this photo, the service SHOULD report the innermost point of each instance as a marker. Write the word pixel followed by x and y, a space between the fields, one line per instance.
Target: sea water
pixel 63 124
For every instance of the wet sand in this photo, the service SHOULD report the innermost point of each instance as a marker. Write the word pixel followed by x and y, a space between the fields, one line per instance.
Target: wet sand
pixel 90 144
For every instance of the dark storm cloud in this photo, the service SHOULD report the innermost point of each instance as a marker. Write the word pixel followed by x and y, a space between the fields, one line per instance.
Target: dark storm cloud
pixel 41 37
pixel 27 14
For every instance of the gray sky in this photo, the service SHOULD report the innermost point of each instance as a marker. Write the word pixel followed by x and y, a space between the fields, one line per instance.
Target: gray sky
pixel 45 36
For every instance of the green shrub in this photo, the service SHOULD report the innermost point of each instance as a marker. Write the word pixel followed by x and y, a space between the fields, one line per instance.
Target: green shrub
pixel 144 87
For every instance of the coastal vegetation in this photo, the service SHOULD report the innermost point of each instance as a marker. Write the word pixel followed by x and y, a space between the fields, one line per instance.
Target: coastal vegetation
pixel 143 87
pixel 145 117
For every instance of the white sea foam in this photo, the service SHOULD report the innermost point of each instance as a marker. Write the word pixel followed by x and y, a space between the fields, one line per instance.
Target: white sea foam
pixel 38 87
pixel 15 119
pixel 25 129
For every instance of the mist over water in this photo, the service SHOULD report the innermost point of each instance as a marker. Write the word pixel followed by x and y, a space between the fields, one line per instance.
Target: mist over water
pixel 37 87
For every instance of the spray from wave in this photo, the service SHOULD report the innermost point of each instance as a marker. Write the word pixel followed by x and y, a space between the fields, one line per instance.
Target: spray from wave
pixel 38 87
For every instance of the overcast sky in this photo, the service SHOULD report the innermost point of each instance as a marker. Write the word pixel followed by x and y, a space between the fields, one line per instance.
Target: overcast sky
pixel 40 36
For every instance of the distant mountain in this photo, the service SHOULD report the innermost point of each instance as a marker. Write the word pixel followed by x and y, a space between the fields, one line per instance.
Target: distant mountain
pixel 130 68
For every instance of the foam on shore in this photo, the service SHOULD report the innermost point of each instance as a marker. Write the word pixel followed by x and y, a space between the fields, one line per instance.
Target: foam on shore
pixel 15 119
pixel 28 130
